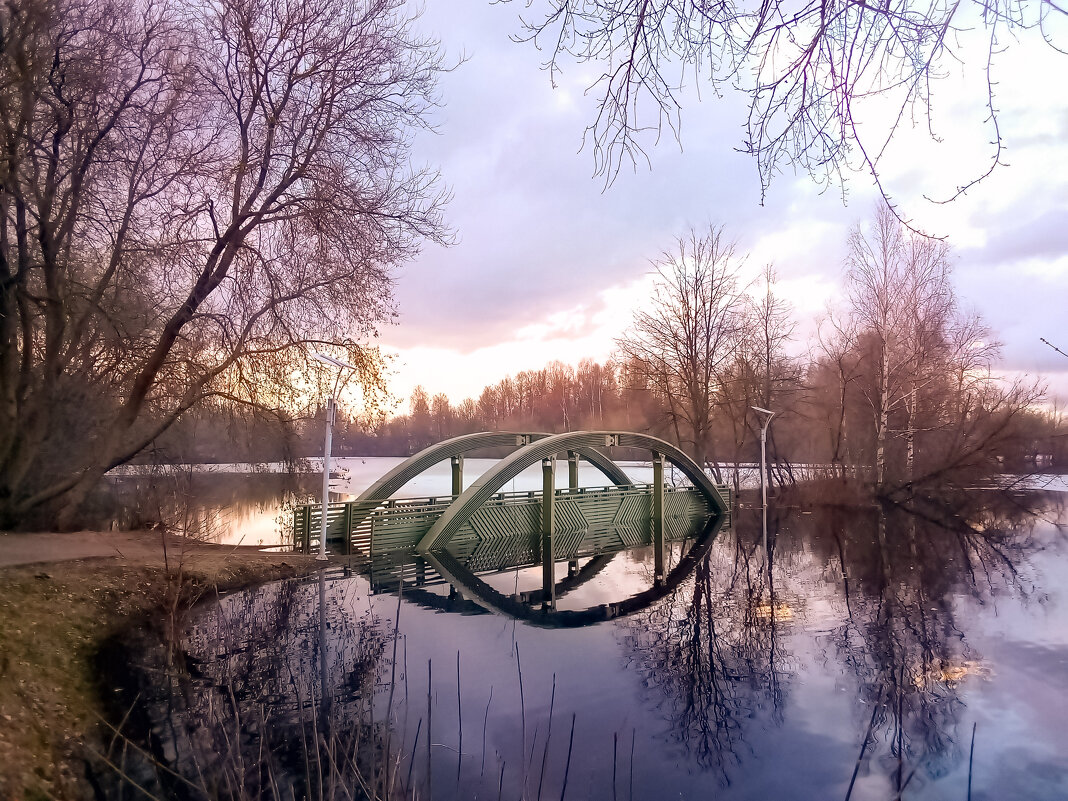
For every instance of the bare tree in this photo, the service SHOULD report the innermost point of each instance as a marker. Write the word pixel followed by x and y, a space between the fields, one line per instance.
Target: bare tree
pixel 811 71
pixel 192 198
pixel 443 416
pixel 928 363
pixel 695 323
pixel 896 283
pixel 421 423
pixel 762 374
pixel 837 361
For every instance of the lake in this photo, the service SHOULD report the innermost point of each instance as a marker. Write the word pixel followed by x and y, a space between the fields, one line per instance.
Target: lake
pixel 884 652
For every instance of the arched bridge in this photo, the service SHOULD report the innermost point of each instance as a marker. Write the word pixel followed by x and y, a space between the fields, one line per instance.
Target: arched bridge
pixel 488 528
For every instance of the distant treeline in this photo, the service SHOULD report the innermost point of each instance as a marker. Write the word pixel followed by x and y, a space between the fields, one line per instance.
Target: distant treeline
pixel 808 427
pixel 897 389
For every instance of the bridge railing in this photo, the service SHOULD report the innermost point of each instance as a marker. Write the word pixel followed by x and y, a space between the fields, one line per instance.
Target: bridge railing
pixel 378 526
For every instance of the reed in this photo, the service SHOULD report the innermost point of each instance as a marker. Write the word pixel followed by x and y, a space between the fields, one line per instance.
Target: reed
pixel 459 721
pixel 548 736
pixel 567 767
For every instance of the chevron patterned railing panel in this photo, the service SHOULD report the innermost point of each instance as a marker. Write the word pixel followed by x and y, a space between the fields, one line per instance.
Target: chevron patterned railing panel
pixel 619 513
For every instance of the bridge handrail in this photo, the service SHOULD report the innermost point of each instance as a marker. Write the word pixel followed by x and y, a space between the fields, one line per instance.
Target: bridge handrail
pixel 518 461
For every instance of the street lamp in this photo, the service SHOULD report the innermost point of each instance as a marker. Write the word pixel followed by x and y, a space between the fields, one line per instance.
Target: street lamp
pixel 765 421
pixel 330 412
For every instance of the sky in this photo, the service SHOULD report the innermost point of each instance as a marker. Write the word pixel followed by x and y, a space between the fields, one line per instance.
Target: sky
pixel 549 263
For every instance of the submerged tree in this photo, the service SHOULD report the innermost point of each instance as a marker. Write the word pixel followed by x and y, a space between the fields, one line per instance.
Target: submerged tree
pixel 192 198
pixel 919 366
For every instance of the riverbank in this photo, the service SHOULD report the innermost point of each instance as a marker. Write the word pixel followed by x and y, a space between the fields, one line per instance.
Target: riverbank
pixel 61 597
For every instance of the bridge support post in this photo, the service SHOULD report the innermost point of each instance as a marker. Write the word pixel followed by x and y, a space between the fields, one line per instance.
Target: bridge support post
pixel 572 483
pixel 658 516
pixel 548 513
pixel 457 475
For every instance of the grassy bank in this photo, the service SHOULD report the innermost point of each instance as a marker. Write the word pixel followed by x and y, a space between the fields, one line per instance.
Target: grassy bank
pixel 55 616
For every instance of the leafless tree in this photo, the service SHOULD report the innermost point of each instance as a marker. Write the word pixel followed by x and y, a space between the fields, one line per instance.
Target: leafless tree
pixel 761 374
pixel 443 416
pixel 831 375
pixel 710 656
pixel 692 329
pixel 192 198
pixel 895 283
pixel 811 71
pixel 928 362
pixel 421 422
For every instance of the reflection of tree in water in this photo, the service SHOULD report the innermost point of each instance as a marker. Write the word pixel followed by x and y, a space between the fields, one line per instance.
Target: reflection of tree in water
pixel 245 714
pixel 711 656
pixel 901 570
pixel 200 505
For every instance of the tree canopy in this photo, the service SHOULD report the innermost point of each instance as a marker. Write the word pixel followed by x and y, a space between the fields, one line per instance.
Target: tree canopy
pixel 193 198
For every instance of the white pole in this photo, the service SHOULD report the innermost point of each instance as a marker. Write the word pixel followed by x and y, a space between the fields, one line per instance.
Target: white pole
pixel 764 480
pixel 764 463
pixel 765 421
pixel 326 477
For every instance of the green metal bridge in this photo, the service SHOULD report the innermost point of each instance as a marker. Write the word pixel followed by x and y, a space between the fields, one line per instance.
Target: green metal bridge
pixel 487 529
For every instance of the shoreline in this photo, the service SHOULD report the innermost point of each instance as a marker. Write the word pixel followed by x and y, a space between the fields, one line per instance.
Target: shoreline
pixel 64 597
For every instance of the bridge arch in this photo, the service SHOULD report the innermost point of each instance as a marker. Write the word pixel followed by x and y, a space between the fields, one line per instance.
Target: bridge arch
pixel 548 446
pixel 411 467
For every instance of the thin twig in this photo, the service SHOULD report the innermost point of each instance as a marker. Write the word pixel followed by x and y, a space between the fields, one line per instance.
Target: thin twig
pixel 485 722
pixel 863 748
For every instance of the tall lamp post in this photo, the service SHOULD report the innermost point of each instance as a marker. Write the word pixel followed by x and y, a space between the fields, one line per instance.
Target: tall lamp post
pixel 765 421
pixel 331 409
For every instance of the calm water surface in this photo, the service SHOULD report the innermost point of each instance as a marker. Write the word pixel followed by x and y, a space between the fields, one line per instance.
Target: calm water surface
pixel 890 653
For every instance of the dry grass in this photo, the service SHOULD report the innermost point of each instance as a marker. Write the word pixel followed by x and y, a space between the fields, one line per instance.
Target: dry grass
pixel 53 620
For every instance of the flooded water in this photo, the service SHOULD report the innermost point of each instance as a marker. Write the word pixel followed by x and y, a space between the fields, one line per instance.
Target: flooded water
pixel 253 504
pixel 878 653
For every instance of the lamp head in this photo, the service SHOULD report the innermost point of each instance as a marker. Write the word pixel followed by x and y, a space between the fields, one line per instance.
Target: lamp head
pixel 768 412
pixel 332 361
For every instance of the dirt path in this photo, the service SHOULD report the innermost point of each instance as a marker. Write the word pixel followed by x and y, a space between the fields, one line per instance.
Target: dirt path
pixel 133 546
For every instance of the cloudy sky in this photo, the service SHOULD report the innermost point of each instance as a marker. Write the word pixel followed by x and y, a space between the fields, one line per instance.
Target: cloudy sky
pixel 549 263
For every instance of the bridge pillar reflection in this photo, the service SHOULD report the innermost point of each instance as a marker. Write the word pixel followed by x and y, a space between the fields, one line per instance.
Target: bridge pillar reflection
pixel 658 515
pixel 548 514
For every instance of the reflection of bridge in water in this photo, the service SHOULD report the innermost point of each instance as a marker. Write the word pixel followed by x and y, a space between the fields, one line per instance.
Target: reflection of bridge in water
pixel 422 578
pixel 481 529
